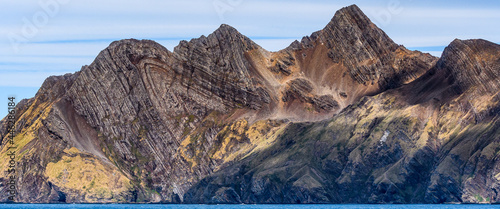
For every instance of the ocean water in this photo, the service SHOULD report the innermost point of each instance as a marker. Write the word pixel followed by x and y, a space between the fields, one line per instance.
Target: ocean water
pixel 155 206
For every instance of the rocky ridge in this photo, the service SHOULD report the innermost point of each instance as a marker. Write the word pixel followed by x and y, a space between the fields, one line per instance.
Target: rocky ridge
pixel 222 120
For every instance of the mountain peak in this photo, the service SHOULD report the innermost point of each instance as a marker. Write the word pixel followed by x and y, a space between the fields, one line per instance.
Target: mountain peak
pixel 226 36
pixel 353 40
pixel 352 15
pixel 350 10
pixel 227 30
pixel 476 45
pixel 226 27
pixel 474 62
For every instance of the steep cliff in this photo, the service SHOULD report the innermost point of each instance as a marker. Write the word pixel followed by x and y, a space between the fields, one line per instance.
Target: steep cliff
pixel 345 115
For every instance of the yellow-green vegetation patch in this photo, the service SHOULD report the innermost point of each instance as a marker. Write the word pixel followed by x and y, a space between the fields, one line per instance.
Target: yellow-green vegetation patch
pixel 88 175
pixel 33 116
pixel 234 140
pixel 261 135
pixel 480 198
pixel 19 142
pixel 236 131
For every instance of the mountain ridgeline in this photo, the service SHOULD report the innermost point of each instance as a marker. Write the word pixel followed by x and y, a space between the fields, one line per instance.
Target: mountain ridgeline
pixel 343 116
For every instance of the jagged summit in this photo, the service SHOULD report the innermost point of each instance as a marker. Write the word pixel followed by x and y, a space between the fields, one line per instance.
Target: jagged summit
pixel 226 27
pixel 227 33
pixel 349 15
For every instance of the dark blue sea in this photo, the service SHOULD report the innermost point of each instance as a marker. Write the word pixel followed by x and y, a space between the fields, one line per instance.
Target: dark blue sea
pixel 150 206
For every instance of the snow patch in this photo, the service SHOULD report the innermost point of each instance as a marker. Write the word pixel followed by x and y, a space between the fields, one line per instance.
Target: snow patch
pixel 384 137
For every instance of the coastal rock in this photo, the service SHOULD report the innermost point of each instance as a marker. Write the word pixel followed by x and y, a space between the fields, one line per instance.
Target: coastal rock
pixel 344 116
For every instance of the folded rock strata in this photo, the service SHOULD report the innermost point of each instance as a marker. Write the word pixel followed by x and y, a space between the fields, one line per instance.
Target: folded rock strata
pixel 343 116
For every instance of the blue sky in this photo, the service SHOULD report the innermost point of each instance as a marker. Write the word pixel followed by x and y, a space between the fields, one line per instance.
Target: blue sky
pixel 39 38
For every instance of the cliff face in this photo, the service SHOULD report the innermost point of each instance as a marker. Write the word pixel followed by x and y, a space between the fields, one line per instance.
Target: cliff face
pixel 345 115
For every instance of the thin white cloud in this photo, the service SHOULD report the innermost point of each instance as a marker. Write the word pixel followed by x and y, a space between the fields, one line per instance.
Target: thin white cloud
pixel 26 79
pixel 452 13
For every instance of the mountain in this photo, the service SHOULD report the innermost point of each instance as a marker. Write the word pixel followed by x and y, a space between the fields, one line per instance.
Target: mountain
pixel 433 140
pixel 343 116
